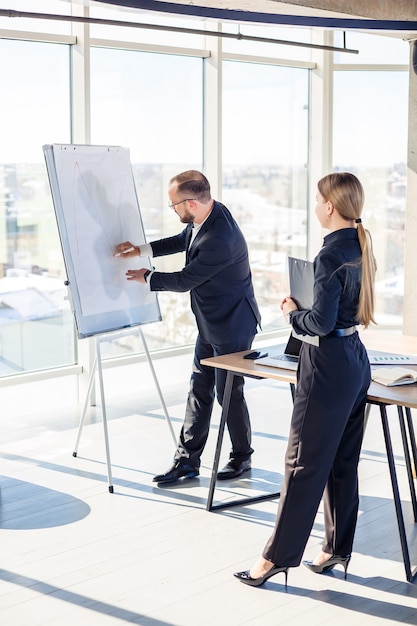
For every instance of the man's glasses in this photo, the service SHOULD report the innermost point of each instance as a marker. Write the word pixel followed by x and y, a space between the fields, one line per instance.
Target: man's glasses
pixel 172 204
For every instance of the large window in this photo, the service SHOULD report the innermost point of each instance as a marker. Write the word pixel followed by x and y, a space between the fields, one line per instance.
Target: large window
pixel 152 101
pixel 370 139
pixel 265 152
pixel 161 121
pixel 57 7
pixel 372 49
pixel 36 325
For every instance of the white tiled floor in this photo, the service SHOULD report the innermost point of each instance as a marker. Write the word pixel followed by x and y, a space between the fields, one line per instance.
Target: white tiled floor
pixel 72 553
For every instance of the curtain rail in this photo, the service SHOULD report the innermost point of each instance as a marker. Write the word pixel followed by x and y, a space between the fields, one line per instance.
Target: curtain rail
pixel 193 31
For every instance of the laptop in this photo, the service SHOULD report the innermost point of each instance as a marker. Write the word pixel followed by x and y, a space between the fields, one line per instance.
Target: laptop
pixel 283 356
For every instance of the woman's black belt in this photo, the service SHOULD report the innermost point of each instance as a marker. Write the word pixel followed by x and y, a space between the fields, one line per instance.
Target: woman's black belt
pixel 342 332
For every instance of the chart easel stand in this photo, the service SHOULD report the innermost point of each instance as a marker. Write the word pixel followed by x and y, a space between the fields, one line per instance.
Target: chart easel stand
pixel 97 364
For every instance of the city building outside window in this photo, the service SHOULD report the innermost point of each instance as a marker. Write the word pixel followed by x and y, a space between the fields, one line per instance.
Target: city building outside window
pixel 36 324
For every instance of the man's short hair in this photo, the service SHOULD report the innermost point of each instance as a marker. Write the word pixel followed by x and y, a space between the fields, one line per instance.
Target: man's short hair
pixel 192 184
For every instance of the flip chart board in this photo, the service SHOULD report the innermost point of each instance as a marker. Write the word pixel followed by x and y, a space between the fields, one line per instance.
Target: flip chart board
pixel 96 207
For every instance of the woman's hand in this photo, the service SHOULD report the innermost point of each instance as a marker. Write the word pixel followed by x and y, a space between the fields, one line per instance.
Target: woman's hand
pixel 288 305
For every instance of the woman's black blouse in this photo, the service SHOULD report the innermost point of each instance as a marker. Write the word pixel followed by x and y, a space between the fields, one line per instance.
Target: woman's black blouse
pixel 337 280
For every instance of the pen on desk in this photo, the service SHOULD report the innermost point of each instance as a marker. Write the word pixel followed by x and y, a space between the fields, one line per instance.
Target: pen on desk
pixel 124 251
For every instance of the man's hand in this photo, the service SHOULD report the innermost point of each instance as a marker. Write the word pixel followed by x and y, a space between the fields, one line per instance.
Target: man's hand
pixel 126 250
pixel 137 275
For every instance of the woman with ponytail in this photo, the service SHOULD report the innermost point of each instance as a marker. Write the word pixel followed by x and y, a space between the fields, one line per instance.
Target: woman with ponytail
pixel 332 381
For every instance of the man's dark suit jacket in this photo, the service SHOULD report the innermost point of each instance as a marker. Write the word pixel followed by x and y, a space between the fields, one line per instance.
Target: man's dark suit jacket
pixel 217 274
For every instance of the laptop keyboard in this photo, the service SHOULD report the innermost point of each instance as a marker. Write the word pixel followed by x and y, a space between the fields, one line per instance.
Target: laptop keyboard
pixel 284 357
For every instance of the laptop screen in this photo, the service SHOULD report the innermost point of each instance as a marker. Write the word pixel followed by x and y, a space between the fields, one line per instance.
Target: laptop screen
pixel 293 346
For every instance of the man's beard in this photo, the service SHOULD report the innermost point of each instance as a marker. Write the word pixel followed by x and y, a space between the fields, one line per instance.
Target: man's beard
pixel 187 218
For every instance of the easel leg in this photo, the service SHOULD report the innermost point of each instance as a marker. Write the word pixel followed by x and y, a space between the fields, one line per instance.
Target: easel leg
pixel 98 364
pixel 148 356
pixel 104 415
pixel 90 386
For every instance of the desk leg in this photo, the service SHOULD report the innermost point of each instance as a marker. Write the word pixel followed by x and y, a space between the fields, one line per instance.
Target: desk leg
pixel 397 501
pixel 225 410
pixel 407 458
pixel 412 436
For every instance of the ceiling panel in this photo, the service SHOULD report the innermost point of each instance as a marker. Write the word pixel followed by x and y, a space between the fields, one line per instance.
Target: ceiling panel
pixel 285 13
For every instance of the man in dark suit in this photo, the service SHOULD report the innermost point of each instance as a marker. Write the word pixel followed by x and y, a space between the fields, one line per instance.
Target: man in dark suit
pixel 218 276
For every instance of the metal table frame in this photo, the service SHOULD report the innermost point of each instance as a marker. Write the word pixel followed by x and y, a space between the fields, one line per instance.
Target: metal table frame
pixel 378 395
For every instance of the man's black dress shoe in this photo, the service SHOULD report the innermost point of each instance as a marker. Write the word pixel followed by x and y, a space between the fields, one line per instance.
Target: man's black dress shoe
pixel 178 470
pixel 234 469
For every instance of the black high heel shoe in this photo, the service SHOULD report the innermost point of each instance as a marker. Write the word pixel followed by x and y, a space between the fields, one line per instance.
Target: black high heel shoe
pixel 329 564
pixel 246 578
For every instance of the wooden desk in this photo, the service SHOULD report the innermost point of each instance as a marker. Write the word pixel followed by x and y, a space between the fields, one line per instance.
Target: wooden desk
pixel 403 397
